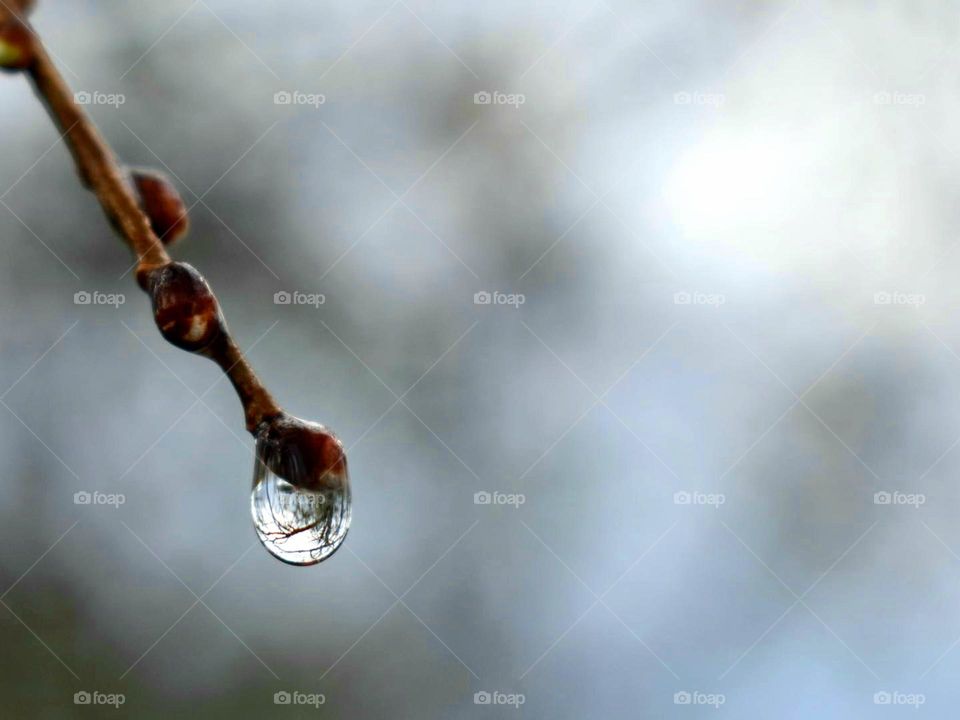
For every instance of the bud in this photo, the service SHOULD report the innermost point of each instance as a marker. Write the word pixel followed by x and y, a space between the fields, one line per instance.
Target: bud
pixel 16 45
pixel 162 204
pixel 19 8
pixel 305 454
pixel 184 307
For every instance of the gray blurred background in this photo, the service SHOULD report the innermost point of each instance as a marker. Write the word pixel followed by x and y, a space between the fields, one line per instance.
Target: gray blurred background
pixel 734 228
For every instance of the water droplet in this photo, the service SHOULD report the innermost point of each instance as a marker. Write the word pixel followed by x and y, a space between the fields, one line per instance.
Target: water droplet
pixel 301 491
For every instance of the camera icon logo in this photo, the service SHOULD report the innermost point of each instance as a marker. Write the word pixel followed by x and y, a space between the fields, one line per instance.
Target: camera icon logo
pixel 482 498
pixel 882 498
pixel 82 498
pixel 481 698
pixel 682 498
pixel 482 98
pixel 283 98
pixel 682 298
pixel 82 297
pixel 282 298
pixel 882 698
pixel 482 298
pixel 282 697
pixel 82 698
pixel 682 98
pixel 682 698
pixel 82 98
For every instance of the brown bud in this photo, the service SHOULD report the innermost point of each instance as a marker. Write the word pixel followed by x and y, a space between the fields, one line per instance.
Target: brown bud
pixel 303 453
pixel 21 8
pixel 162 204
pixel 16 45
pixel 184 307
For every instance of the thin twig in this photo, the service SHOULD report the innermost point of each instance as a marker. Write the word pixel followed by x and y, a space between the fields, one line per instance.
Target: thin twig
pixel 101 172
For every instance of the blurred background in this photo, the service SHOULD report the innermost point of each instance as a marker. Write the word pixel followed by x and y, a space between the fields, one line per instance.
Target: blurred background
pixel 638 322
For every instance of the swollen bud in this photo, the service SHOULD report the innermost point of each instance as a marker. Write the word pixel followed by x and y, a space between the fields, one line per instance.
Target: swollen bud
pixel 19 8
pixel 162 204
pixel 184 307
pixel 305 454
pixel 16 46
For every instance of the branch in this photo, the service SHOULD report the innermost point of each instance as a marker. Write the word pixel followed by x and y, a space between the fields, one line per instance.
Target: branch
pixel 146 211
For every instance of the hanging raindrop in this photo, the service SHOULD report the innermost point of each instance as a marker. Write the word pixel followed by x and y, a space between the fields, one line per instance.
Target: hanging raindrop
pixel 301 491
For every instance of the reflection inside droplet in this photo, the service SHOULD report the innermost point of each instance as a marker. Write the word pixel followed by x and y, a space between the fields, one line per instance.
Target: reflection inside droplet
pixel 301 518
